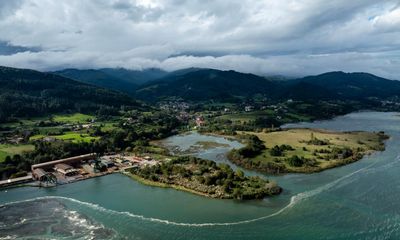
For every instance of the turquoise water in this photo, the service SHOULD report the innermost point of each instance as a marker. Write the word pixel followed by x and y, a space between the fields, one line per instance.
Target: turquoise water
pixel 358 201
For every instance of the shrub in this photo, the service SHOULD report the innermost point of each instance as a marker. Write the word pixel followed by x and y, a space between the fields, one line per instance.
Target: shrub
pixel 296 161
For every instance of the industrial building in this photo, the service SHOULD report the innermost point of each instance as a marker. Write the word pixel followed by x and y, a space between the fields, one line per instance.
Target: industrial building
pixel 68 161
pixel 41 175
pixel 65 169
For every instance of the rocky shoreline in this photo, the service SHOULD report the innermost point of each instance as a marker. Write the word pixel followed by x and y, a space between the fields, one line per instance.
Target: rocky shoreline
pixel 205 178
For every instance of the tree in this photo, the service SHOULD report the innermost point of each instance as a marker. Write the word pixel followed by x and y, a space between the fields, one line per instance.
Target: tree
pixel 295 161
pixel 237 193
pixel 239 173
pixel 276 151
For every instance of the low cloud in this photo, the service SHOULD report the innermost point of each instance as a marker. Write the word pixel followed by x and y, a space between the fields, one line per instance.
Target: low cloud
pixel 294 38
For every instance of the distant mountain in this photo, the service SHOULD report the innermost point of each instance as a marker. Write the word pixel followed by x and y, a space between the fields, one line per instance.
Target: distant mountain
pixel 209 84
pixel 29 93
pixel 304 91
pixel 351 85
pixel 114 78
pixel 184 71
pixel 135 76
pixel 99 78
pixel 205 84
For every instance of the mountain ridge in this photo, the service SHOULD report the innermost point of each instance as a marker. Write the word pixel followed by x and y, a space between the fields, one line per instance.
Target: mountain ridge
pixel 330 85
pixel 30 93
pixel 119 79
pixel 203 84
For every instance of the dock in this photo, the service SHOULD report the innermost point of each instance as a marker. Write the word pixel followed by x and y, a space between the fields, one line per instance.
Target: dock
pixel 16 181
pixel 77 168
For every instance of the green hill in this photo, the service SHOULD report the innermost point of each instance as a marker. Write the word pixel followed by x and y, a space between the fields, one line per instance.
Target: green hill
pixel 205 84
pixel 29 93
pixel 304 91
pixel 135 76
pixel 120 79
pixel 353 85
pixel 99 78
pixel 210 84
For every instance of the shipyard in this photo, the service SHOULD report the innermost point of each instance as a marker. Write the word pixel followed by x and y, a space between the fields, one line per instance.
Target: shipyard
pixel 77 168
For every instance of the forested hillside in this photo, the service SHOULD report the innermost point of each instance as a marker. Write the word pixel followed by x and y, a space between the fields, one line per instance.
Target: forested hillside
pixel 120 79
pixel 352 85
pixel 206 84
pixel 28 93
pixel 230 86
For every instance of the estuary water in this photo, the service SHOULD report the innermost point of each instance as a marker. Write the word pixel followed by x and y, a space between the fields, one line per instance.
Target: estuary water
pixel 357 201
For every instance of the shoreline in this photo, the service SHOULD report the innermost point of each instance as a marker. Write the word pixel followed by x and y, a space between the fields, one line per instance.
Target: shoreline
pixel 36 184
pixel 306 172
pixel 165 185
pixel 218 182
pixel 271 166
pixel 310 170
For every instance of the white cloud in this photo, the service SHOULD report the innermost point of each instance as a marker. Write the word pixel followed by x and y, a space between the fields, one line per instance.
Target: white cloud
pixel 388 22
pixel 291 37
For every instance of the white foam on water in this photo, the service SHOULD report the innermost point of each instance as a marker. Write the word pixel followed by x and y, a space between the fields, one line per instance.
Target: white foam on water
pixel 293 201
pixel 8 237
pixel 75 218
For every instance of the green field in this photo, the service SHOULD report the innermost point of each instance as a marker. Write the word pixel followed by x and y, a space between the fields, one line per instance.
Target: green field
pixel 245 117
pixel 11 150
pixel 107 127
pixel 23 123
pixel 58 129
pixel 73 118
pixel 69 136
pixel 296 138
pixel 62 118
pixel 299 140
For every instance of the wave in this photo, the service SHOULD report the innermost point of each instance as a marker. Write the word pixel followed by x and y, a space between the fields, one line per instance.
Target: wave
pixel 293 201
pixel 385 166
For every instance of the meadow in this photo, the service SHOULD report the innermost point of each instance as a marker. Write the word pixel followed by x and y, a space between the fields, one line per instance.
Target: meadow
pixel 246 117
pixel 58 126
pixel 73 118
pixel 11 150
pixel 68 136
pixel 318 149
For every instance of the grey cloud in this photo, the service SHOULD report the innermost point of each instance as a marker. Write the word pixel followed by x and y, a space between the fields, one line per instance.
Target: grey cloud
pixel 8 7
pixel 295 37
pixel 8 49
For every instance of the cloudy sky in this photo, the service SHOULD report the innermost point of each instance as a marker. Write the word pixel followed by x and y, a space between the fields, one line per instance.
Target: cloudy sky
pixel 269 37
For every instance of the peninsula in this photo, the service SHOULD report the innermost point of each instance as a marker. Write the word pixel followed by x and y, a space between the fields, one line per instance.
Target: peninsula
pixel 204 177
pixel 303 150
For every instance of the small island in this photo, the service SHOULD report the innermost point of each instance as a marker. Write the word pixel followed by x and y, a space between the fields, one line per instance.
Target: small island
pixel 202 145
pixel 204 177
pixel 303 150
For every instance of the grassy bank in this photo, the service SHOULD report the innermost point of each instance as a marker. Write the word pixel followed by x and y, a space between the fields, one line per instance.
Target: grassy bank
pixel 162 185
pixel 305 150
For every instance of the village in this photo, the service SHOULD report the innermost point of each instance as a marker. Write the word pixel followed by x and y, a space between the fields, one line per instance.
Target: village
pixel 197 119
pixel 78 168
